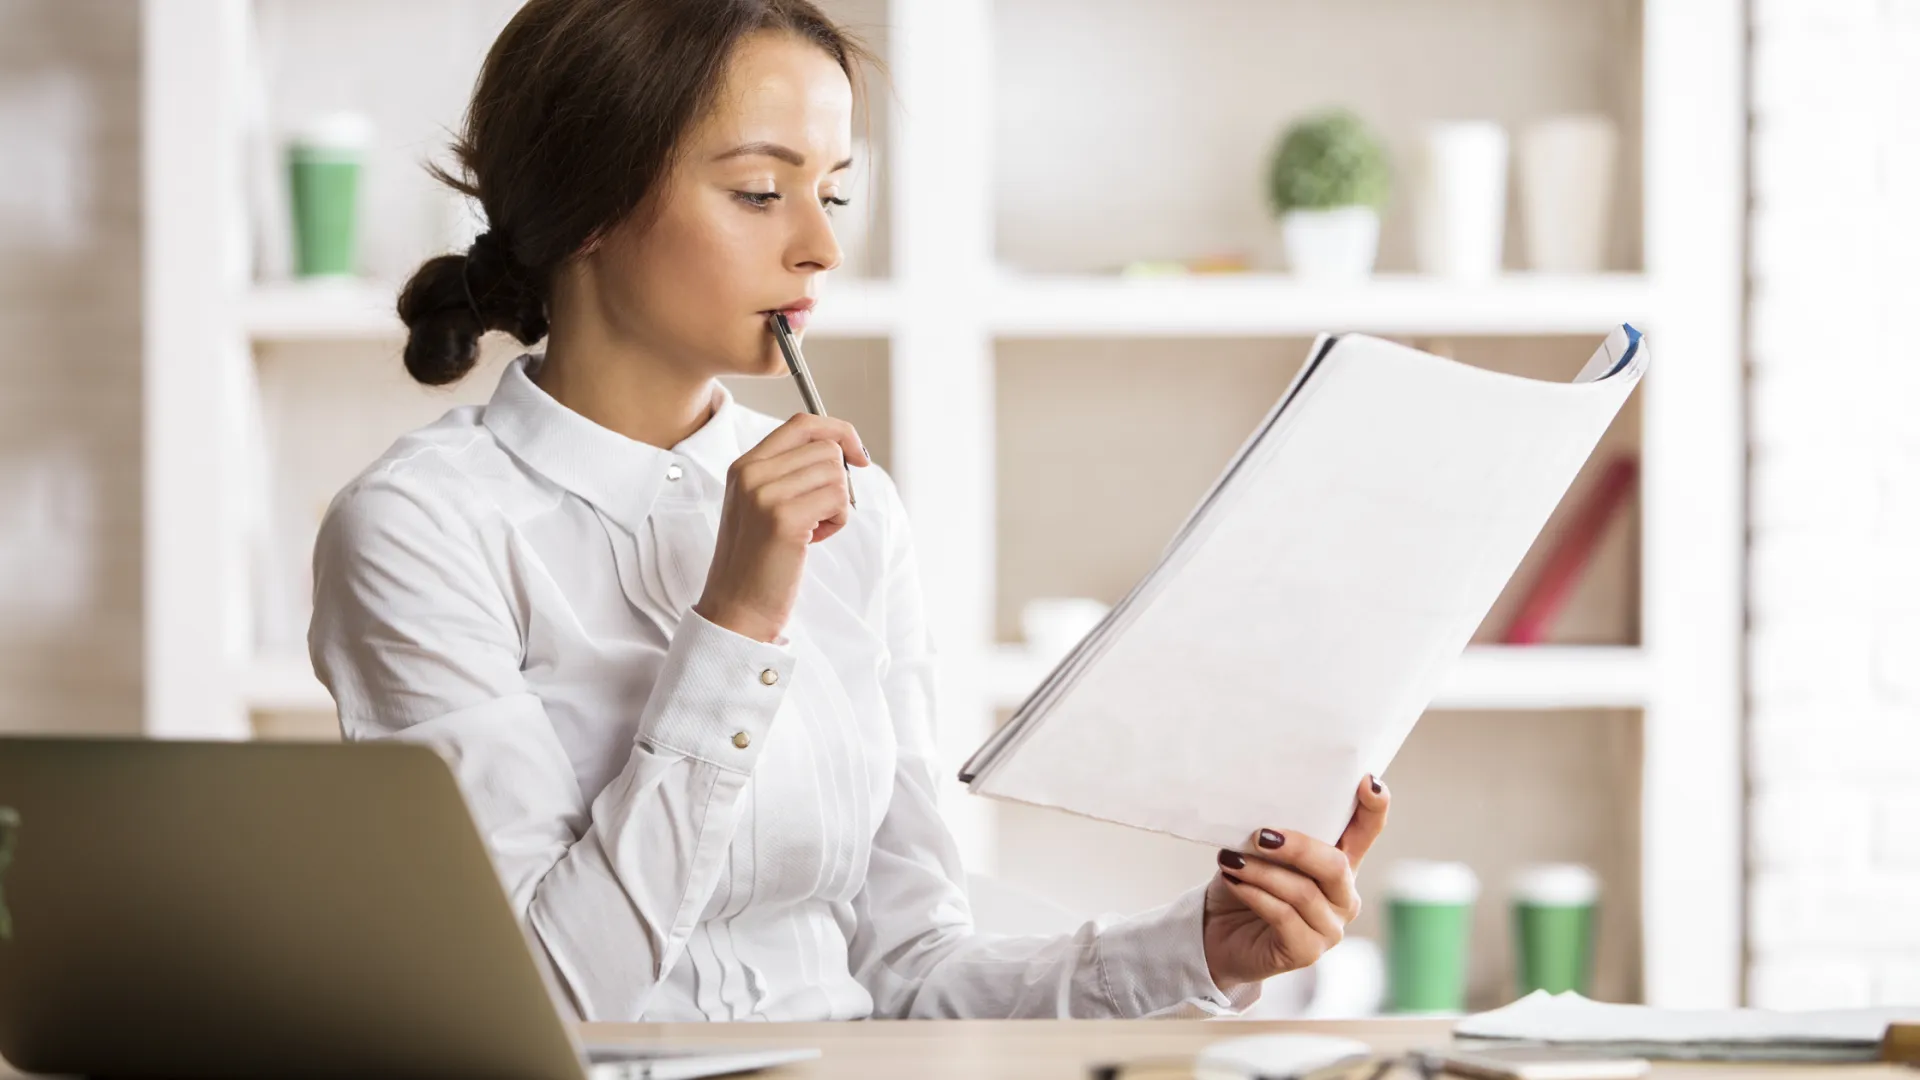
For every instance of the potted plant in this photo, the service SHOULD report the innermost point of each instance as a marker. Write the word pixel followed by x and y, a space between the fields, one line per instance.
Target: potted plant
pixel 1326 182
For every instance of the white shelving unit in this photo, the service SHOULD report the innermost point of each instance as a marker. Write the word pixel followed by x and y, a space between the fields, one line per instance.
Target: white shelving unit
pixel 1247 305
pixel 942 312
pixel 363 311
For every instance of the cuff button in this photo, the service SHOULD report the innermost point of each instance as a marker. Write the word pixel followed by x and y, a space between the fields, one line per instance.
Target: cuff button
pixel 769 676
pixel 741 739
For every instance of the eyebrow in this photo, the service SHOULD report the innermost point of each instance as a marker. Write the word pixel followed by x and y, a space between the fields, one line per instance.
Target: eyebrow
pixel 775 150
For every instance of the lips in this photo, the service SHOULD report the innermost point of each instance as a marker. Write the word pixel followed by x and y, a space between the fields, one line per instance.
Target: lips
pixel 798 312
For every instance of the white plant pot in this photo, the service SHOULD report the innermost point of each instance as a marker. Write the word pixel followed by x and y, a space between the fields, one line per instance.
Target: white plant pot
pixel 1331 245
pixel 1460 199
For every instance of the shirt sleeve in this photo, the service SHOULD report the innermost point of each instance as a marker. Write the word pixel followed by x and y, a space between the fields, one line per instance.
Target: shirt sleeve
pixel 915 948
pixel 414 636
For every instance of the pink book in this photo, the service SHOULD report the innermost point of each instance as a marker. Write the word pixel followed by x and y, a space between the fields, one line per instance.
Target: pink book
pixel 1569 557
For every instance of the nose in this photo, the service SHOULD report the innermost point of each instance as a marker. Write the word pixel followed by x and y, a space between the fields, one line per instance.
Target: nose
pixel 814 248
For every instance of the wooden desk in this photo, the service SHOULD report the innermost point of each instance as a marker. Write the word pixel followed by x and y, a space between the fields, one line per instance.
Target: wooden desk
pixel 1063 1049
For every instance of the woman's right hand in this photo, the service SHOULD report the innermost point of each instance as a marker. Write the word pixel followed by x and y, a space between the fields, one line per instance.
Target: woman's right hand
pixel 789 491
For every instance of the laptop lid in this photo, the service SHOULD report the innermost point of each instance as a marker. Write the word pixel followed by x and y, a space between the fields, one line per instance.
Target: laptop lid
pixel 263 909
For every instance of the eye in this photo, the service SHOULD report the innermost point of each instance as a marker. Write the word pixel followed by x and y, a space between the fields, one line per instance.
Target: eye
pixel 761 200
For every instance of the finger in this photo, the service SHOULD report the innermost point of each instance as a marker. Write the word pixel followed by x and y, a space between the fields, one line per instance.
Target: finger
pixel 1317 859
pixel 804 428
pixel 801 483
pixel 1298 941
pixel 1300 892
pixel 1369 821
pixel 759 472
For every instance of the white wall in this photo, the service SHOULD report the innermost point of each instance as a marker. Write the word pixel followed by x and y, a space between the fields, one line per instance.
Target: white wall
pixel 70 407
pixel 1834 592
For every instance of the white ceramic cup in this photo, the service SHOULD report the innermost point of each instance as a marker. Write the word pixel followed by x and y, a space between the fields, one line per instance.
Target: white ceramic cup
pixel 1460 199
pixel 1566 168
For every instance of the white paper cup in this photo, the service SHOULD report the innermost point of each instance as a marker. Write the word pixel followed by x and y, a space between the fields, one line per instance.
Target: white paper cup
pixel 1554 923
pixel 1429 921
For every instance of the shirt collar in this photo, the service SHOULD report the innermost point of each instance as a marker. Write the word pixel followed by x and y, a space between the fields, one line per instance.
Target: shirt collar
pixel 621 476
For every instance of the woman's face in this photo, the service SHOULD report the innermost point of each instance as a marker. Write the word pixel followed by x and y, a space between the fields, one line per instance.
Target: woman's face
pixel 743 225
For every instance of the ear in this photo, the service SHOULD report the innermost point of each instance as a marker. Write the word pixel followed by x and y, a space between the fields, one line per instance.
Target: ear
pixel 592 243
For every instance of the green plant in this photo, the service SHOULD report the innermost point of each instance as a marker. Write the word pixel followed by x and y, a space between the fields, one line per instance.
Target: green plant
pixel 1324 161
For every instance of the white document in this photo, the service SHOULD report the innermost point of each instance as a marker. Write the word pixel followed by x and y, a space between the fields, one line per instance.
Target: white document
pixel 1719 1034
pixel 1302 618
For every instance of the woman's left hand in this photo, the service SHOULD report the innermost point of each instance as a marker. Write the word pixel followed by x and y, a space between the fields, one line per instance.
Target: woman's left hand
pixel 1286 898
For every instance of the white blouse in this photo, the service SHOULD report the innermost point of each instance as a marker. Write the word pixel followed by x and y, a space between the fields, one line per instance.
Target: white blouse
pixel 690 823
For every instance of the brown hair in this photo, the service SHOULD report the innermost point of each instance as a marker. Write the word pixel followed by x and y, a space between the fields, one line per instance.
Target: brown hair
pixel 575 119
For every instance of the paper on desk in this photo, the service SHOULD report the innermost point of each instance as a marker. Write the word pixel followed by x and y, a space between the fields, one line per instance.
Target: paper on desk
pixel 1701 1034
pixel 1305 614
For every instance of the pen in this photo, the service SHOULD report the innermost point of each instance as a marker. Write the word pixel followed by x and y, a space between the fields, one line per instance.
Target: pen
pixel 810 394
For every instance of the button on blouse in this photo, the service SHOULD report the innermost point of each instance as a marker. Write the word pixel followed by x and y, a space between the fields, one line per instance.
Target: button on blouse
pixel 689 823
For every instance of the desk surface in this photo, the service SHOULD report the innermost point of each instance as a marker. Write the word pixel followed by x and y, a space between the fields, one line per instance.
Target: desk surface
pixel 1063 1049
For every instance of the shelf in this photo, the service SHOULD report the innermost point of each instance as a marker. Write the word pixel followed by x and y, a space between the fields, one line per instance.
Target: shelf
pixel 283 684
pixel 1243 305
pixel 1487 677
pixel 322 310
pixel 1547 677
pixel 363 310
pixel 1201 305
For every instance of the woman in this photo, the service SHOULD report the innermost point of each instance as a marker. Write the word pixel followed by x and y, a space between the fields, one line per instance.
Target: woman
pixel 684 683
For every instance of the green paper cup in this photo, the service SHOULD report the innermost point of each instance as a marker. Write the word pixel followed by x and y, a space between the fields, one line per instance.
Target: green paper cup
pixel 324 162
pixel 1554 909
pixel 1429 926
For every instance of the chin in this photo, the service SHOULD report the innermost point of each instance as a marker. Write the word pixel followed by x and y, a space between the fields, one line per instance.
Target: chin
pixel 770 361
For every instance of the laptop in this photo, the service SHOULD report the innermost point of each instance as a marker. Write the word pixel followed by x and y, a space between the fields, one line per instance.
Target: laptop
pixel 273 909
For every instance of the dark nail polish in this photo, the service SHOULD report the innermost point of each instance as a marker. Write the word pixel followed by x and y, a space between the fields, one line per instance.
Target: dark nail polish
pixel 1232 860
pixel 1233 879
pixel 1271 839
pixel 1376 787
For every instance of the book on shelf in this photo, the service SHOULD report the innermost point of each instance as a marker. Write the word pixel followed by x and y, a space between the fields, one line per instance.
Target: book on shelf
pixel 1567 560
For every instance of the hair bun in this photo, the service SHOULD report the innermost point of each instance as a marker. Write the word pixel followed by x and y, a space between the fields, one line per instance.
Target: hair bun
pixel 443 329
pixel 452 300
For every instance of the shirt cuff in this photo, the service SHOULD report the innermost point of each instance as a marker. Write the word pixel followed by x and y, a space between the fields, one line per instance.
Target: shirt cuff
pixel 717 694
pixel 1155 964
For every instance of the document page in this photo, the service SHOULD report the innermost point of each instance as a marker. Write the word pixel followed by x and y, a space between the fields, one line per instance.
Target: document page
pixel 1725 1034
pixel 1305 614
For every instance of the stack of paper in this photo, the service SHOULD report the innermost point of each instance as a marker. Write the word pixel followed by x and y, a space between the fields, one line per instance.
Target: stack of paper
pixel 1703 1034
pixel 1303 616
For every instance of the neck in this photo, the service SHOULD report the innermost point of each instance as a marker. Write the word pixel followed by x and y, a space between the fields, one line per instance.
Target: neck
pixel 621 385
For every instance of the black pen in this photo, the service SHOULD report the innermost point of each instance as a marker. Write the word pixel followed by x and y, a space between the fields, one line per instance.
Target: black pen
pixel 810 394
